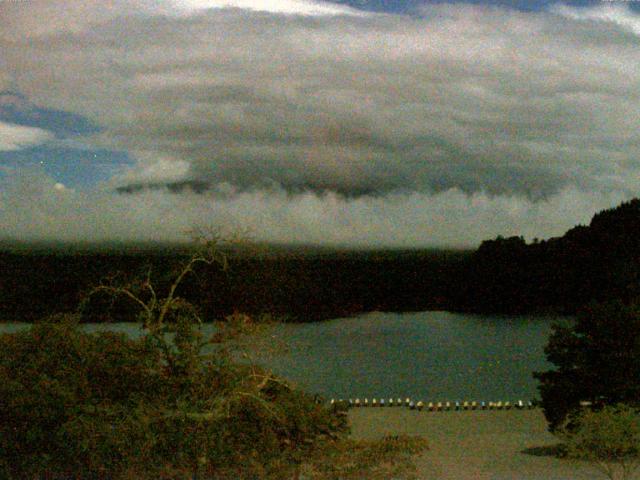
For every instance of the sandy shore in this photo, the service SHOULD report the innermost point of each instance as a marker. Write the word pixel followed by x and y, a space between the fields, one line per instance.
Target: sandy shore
pixel 495 445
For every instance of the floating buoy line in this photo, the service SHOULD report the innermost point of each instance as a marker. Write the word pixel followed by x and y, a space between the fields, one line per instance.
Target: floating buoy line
pixel 432 406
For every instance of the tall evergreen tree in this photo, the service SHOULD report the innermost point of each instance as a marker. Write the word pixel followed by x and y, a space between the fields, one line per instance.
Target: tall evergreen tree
pixel 597 360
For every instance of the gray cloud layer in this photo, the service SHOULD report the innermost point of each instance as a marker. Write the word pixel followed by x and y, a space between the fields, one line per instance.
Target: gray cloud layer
pixel 15 137
pixel 35 207
pixel 448 127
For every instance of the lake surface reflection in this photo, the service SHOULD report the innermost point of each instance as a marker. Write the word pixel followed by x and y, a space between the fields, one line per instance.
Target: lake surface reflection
pixel 429 355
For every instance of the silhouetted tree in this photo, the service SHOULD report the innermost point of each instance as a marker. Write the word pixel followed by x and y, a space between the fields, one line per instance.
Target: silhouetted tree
pixel 597 360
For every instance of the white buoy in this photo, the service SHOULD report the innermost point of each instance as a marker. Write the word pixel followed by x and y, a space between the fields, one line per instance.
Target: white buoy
pixel 439 406
pixel 412 405
pixel 382 402
pixel 483 405
pixel 447 406
pixel 399 402
pixel 333 401
pixel 520 405
pixel 374 403
pixel 507 405
pixel 391 402
pixel 529 404
pixel 457 405
pixel 366 402
pixel 407 401
pixel 357 402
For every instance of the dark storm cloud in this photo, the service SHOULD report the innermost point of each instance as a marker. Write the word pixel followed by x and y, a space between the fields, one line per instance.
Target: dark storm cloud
pixel 471 105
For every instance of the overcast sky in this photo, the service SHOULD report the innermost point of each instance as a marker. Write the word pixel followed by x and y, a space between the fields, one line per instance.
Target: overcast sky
pixel 361 123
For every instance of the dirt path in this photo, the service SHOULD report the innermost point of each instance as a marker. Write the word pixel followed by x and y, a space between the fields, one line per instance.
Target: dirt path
pixel 482 445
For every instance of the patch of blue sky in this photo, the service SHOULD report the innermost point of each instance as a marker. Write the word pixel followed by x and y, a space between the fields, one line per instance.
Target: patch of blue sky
pixel 75 168
pixel 68 159
pixel 59 122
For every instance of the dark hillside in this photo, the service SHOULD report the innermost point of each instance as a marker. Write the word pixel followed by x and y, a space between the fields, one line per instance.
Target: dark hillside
pixel 506 275
pixel 589 263
pixel 302 285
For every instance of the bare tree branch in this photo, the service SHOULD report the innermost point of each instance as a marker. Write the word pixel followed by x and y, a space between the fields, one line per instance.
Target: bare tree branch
pixel 126 292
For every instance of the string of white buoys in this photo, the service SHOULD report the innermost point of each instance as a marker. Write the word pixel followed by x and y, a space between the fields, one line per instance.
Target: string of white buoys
pixel 433 406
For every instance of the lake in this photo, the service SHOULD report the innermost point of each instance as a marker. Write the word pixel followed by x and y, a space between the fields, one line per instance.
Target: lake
pixel 426 355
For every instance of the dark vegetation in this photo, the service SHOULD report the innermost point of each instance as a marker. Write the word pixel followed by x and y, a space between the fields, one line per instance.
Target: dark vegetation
pixel 170 404
pixel 597 360
pixel 591 399
pixel 607 438
pixel 598 262
pixel 298 285
pixel 594 273
pixel 103 406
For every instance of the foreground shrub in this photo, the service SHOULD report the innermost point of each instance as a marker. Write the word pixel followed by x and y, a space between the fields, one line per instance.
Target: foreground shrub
pixel 103 406
pixel 609 439
pixel 80 405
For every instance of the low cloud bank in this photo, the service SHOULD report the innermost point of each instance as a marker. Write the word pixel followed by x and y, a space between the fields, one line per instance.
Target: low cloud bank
pixel 33 207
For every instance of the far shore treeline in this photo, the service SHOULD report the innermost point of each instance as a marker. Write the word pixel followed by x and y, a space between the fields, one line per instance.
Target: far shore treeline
pixel 506 275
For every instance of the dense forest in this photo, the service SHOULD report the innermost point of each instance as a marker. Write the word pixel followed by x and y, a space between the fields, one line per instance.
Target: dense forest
pixel 295 285
pixel 598 262
pixel 506 275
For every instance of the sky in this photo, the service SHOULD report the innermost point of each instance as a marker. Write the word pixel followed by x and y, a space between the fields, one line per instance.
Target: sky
pixel 360 123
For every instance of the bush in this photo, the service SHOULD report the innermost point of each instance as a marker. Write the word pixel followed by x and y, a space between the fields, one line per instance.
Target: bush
pixel 80 405
pixel 75 405
pixel 609 439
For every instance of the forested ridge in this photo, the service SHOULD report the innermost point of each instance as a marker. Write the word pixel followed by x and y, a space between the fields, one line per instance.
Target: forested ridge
pixel 593 263
pixel 597 262
pixel 300 286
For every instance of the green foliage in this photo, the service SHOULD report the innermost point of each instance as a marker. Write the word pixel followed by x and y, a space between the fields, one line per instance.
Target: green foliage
pixel 55 380
pixel 82 405
pixel 105 406
pixel 609 439
pixel 597 360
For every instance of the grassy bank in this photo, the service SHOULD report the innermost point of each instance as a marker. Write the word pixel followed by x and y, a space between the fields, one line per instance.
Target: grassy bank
pixel 478 445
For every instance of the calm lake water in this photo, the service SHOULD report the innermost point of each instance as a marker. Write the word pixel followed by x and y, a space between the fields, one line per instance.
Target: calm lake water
pixel 429 355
